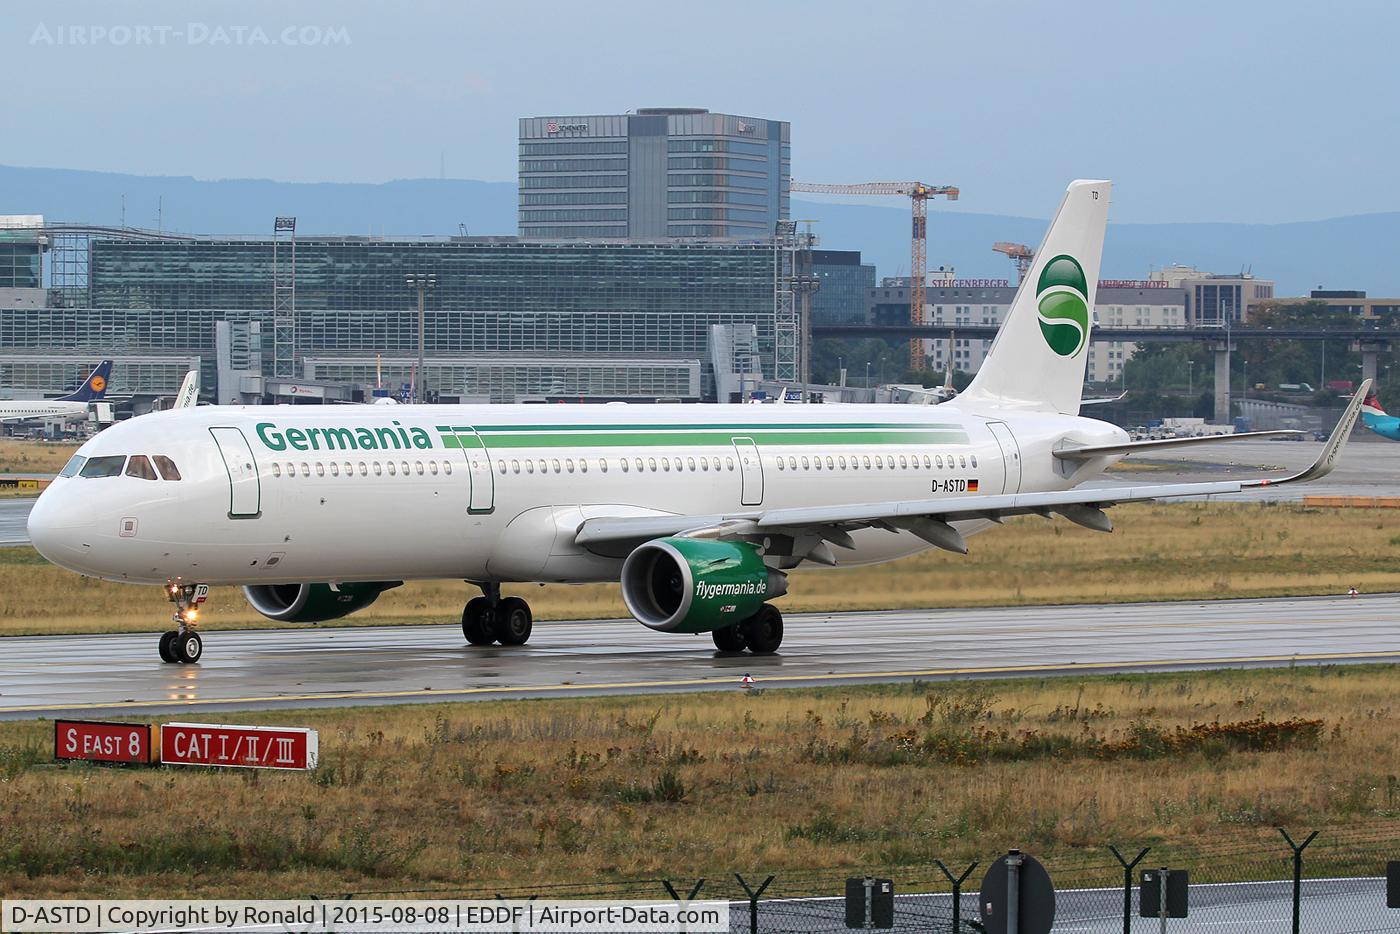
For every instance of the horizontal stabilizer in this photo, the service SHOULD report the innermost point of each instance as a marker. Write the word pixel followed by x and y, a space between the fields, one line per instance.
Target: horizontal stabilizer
pixel 1137 447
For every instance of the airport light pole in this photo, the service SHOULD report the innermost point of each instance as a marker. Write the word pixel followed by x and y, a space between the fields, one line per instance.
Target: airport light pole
pixel 422 282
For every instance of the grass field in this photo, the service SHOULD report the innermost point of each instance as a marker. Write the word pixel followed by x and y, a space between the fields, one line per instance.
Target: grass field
pixel 1160 552
pixel 33 456
pixel 685 786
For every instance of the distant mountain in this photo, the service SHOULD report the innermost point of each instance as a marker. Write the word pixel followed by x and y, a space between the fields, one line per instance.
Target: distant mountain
pixel 1361 252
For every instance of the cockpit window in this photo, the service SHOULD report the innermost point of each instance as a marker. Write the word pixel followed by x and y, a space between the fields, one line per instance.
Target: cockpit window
pixel 140 467
pixel 167 467
pixel 110 466
pixel 75 464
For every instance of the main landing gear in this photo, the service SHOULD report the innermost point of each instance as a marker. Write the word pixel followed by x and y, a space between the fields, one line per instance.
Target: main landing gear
pixel 761 633
pixel 493 618
pixel 182 644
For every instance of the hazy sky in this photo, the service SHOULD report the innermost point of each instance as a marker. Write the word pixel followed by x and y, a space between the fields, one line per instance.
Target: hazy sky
pixel 1200 111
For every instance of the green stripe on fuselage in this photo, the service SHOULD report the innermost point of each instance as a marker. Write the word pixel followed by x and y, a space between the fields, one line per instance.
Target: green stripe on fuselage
pixel 719 439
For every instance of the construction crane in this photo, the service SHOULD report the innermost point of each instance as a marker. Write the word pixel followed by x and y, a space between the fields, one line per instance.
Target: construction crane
pixel 918 193
pixel 1019 253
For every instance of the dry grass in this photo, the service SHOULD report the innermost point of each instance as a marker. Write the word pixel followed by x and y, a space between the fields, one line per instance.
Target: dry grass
pixel 33 456
pixel 1182 551
pixel 684 786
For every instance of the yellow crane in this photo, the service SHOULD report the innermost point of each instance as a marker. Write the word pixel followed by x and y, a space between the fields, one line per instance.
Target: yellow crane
pixel 1019 253
pixel 918 194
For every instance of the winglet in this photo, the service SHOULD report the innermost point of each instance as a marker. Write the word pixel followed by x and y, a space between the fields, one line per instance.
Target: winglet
pixel 1332 449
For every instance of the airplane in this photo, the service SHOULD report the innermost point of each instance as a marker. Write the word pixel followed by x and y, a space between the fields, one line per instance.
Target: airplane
pixel 1376 419
pixel 697 511
pixel 187 396
pixel 72 406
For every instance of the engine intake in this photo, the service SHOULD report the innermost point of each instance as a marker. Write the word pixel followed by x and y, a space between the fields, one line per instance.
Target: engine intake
pixel 697 585
pixel 314 603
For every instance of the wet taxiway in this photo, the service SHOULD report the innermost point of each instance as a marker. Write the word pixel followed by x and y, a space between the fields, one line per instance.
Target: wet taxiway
pixel 114 674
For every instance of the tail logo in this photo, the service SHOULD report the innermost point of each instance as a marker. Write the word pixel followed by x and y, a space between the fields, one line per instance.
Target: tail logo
pixel 97 384
pixel 1062 299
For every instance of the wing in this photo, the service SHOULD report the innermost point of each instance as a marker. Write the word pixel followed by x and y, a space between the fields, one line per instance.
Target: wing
pixel 812 527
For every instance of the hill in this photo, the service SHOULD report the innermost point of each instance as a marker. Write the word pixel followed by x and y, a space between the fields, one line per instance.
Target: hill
pixel 1344 252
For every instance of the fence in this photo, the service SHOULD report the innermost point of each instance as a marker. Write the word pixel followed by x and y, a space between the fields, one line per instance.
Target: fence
pixel 1326 883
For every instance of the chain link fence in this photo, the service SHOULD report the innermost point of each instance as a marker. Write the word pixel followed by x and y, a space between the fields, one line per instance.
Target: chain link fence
pixel 1327 883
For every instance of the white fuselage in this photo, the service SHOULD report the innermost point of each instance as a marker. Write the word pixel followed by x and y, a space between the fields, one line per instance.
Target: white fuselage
pixel 292 494
pixel 20 411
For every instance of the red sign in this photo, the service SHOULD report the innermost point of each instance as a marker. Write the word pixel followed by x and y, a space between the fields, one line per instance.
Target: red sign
pixel 93 741
pixel 246 747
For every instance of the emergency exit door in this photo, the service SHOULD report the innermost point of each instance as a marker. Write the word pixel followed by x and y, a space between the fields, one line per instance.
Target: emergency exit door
pixel 245 487
pixel 750 472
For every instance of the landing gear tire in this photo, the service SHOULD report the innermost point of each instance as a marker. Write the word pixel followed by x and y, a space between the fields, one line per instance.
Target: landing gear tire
pixel 763 631
pixel 513 621
pixel 188 647
pixel 167 646
pixel 729 639
pixel 478 621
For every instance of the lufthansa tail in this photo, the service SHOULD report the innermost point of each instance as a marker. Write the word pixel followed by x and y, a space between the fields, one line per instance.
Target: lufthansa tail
pixel 1037 360
pixel 94 387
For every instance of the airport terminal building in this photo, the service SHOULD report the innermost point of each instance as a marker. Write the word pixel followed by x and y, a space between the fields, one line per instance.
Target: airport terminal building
pixel 506 319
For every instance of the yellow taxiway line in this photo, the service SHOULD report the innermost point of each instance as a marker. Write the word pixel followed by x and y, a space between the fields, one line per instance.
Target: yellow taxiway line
pixel 710 682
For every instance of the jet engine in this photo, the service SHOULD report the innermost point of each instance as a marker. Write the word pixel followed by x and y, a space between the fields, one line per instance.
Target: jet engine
pixel 697 585
pixel 314 603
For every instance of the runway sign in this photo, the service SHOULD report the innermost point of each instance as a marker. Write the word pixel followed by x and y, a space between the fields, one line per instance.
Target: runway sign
pixel 244 747
pixel 95 741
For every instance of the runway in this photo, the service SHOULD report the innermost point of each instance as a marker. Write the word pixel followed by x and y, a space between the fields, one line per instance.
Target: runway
pixel 255 669
pixel 14 513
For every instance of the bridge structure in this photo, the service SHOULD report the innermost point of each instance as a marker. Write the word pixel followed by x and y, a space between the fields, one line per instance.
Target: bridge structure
pixel 1221 341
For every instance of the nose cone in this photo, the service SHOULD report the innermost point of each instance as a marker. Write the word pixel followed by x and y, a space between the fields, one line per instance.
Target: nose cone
pixel 57 526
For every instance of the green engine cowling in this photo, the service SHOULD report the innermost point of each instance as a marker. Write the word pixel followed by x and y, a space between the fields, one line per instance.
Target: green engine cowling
pixel 313 603
pixel 697 585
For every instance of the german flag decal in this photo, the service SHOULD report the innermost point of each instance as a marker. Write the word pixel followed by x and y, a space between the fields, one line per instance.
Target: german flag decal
pixel 972 486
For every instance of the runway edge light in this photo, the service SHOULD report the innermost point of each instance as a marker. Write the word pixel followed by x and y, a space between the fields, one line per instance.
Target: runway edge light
pixel 243 747
pixel 102 741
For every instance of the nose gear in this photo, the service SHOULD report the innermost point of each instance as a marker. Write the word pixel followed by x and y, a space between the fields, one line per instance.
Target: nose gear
pixel 182 644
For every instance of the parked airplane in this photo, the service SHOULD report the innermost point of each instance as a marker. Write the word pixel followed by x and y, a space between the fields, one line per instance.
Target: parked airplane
pixel 1376 419
pixel 187 396
pixel 69 407
pixel 698 510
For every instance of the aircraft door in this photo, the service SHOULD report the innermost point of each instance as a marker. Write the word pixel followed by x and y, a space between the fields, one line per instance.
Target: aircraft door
pixel 245 486
pixel 750 472
pixel 1010 456
pixel 482 481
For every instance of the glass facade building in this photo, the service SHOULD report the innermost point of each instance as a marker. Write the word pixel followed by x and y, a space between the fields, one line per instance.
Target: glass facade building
pixel 20 262
pixel 506 320
pixel 659 172
pixel 845 283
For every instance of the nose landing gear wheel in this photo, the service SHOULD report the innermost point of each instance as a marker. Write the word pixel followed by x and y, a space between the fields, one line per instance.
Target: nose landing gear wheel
pixel 729 638
pixel 188 647
pixel 478 621
pixel 513 621
pixel 167 646
pixel 763 631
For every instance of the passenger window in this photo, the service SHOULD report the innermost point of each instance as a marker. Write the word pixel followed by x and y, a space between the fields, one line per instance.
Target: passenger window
pixel 830 463
pixel 569 464
pixel 938 459
pixel 729 462
pixel 666 464
pixel 432 468
pixel 364 469
pixel 168 471
pixel 75 464
pixel 276 469
pixel 867 462
pixel 651 463
pixel 817 463
pixel 378 469
pixel 544 467
pixel 404 466
pixel 447 467
pixel 962 461
pixel 335 469
pixel 529 466
pixel 690 463
pixel 555 465
pixel 305 469
pixel 418 467
pixel 903 464
pixel 806 464
pixel 842 461
pixel 781 464
pixel 583 465
pixel 110 466
pixel 393 471
pixel 792 463
pixel 515 466
pixel 500 466
pixel 926 462
pixel 291 468
pixel 637 462
pixel 705 464
pixel 879 463
pixel 974 460
pixel 320 469
pixel 140 467
pixel 624 464
pixel 603 464
pixel 349 469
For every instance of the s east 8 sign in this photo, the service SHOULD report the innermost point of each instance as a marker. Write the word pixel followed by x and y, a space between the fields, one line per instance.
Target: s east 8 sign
pixel 93 741
pixel 248 747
